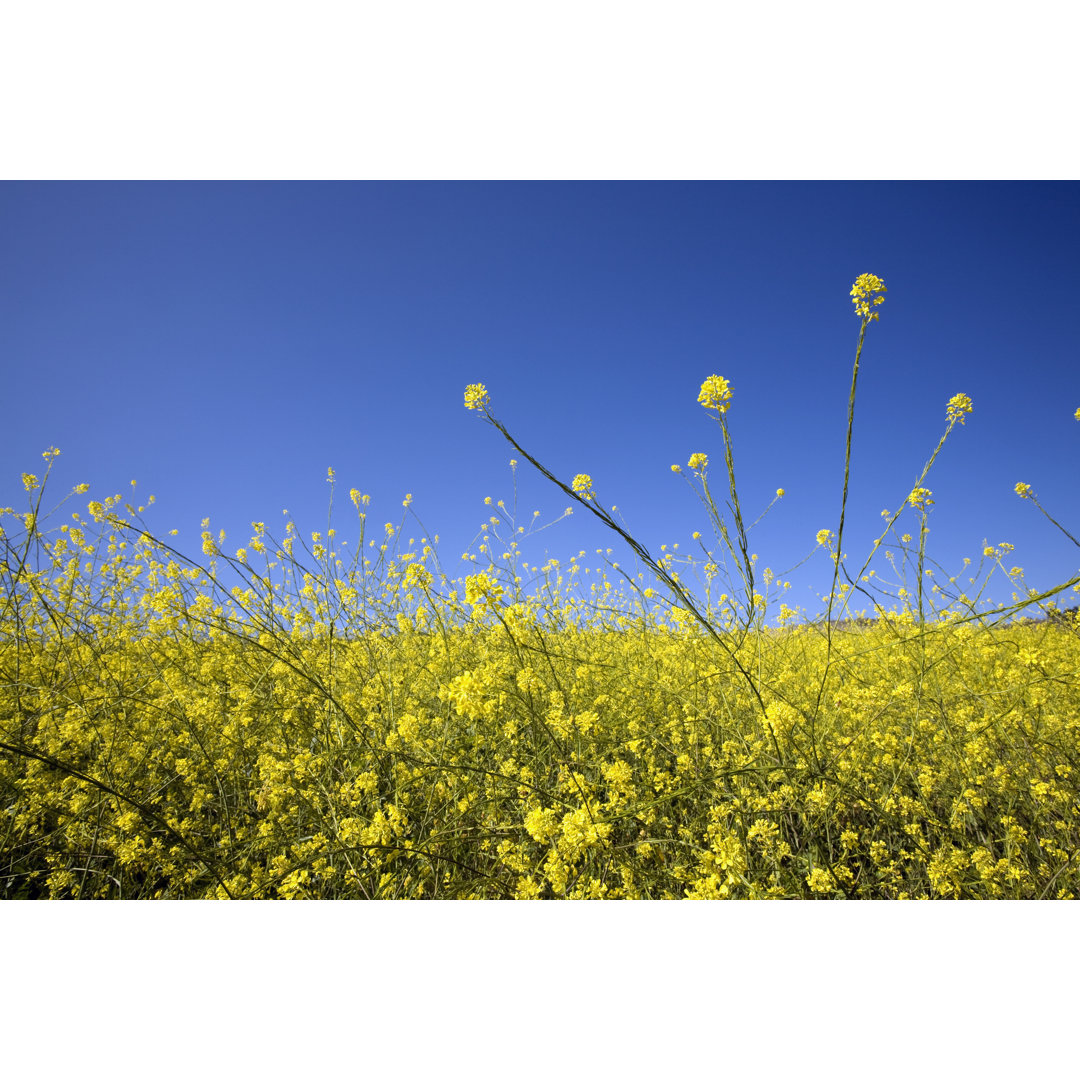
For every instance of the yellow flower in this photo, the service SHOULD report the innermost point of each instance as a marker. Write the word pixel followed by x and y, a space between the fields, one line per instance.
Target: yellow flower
pixel 30 481
pixel 417 575
pixel 819 881
pixel 959 406
pixel 1024 491
pixel 824 536
pixel 862 295
pixel 476 396
pixel 1076 415
pixel 779 493
pixel 920 498
pixel 715 394
pixel 482 591
pixel 698 461
pixel 583 485
pixel 988 552
pixel 676 468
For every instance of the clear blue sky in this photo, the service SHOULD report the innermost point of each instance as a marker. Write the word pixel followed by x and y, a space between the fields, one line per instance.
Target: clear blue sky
pixel 223 343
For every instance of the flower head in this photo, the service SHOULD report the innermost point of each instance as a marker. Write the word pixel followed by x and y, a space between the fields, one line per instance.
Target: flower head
pixel 476 396
pixel 417 575
pixel 823 536
pixel 1024 491
pixel 862 295
pixel 698 461
pixel 1076 415
pixel 715 394
pixel 583 485
pixel 959 406
pixel 779 493
pixel 482 590
pixel 920 498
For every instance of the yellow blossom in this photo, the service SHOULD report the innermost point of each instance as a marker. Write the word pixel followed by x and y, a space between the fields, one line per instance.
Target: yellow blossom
pixel 780 493
pixel 958 407
pixel 862 295
pixel 583 486
pixel 698 461
pixel 715 394
pixel 476 396
pixel 1024 491
pixel 824 536
pixel 920 498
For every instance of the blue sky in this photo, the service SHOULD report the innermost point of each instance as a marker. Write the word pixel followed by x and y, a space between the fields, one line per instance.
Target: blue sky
pixel 224 343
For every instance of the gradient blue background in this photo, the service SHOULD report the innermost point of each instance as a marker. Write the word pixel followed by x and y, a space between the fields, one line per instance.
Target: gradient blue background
pixel 223 343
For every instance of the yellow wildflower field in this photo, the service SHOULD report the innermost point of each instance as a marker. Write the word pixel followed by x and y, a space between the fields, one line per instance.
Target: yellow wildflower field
pixel 289 722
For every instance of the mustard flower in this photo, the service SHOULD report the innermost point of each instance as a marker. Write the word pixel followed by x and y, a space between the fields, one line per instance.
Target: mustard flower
pixel 476 396
pixel 959 406
pixel 482 589
pixel 1076 415
pixel 698 461
pixel 920 498
pixel 824 536
pixel 1024 491
pixel 862 295
pixel 715 394
pixel 780 493
pixel 583 485
pixel 676 469
pixel 30 481
pixel 819 881
pixel 417 575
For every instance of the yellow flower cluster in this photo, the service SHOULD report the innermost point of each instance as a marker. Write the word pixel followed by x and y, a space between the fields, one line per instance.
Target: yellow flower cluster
pixel 958 407
pixel 865 295
pixel 698 462
pixel 920 498
pixel 715 394
pixel 482 591
pixel 583 486
pixel 1024 491
pixel 477 397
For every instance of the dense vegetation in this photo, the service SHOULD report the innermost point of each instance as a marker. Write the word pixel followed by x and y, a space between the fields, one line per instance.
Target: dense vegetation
pixel 292 721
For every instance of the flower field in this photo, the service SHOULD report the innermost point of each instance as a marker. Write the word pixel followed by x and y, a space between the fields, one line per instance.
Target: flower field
pixel 290 721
